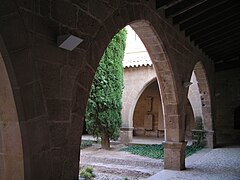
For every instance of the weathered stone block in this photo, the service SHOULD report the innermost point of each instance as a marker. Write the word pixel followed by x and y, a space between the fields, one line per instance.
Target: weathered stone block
pixel 87 24
pixel 94 7
pixel 75 130
pixel 48 51
pixel 77 58
pixel 36 133
pixel 32 100
pixel 7 7
pixel 22 60
pixel 83 4
pixel 14 38
pixel 40 25
pixel 59 110
pixel 45 7
pixel 60 9
pixel 67 79
pixel 41 165
pixel 58 134
pixel 71 165
pixel 50 79
pixel 85 77
pixel 79 101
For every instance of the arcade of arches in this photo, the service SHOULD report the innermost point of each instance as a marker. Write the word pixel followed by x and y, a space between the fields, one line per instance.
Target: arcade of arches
pixel 46 88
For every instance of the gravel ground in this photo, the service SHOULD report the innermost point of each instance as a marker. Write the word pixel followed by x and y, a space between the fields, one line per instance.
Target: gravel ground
pixel 216 164
pixel 118 165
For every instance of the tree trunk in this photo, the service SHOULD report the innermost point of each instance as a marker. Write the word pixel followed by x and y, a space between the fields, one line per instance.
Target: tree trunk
pixel 105 141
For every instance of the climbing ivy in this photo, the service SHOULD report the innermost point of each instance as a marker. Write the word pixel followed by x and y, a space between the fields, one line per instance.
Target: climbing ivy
pixel 103 114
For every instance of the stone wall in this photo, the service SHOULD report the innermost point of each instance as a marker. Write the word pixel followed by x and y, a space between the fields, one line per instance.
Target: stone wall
pixel 227 97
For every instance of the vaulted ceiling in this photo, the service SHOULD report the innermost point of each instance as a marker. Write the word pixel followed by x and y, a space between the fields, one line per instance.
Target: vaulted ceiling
pixel 213 26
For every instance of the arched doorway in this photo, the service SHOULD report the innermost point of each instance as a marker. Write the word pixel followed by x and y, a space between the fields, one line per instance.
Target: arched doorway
pixel 148 113
pixel 11 153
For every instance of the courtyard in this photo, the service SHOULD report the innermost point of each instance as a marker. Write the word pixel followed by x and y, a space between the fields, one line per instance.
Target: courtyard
pixel 213 164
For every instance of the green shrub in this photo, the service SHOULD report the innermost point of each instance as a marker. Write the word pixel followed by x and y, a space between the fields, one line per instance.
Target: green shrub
pixel 103 111
pixel 87 173
pixel 86 144
pixel 152 151
pixel 156 151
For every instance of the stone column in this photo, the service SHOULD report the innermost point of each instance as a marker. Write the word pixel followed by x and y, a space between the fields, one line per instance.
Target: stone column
pixel 210 138
pixel 126 135
pixel 174 155
pixel 174 144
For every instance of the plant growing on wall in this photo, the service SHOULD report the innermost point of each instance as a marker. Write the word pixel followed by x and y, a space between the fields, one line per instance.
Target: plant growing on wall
pixel 103 114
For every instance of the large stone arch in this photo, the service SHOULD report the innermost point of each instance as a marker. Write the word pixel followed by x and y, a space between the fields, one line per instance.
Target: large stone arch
pixel 11 152
pixel 205 98
pixel 146 25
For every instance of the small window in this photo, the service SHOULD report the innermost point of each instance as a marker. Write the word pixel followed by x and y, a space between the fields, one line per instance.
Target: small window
pixel 237 118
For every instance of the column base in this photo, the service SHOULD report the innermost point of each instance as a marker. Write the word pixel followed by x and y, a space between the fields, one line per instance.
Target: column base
pixel 174 155
pixel 126 135
pixel 210 138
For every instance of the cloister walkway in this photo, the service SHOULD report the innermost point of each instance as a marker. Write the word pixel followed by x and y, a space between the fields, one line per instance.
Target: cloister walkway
pixel 216 164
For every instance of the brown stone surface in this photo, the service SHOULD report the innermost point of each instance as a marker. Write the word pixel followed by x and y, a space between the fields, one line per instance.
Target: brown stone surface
pixel 174 156
pixel 30 37
pixel 59 9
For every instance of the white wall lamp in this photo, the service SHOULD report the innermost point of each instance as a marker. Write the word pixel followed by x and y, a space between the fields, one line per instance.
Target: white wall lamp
pixel 68 41
pixel 187 84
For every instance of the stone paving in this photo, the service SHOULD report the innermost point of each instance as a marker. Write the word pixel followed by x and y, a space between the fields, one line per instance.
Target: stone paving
pixel 216 164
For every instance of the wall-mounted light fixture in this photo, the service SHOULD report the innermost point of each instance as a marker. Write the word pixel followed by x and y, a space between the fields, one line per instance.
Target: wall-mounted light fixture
pixel 187 84
pixel 68 41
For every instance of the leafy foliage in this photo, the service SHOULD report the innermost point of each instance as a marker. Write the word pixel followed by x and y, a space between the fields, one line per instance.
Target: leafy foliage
pixel 153 151
pixel 86 143
pixel 103 114
pixel 156 151
pixel 87 173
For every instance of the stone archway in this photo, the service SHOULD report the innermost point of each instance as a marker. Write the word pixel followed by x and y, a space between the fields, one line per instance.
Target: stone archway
pixel 205 99
pixel 173 116
pixel 11 152
pixel 131 94
pixel 148 114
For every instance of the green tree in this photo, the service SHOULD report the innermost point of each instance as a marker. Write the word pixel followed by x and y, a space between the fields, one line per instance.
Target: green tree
pixel 103 114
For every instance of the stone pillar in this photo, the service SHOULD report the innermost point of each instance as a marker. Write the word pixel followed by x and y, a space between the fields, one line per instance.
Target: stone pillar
pixel 126 135
pixel 174 155
pixel 210 138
